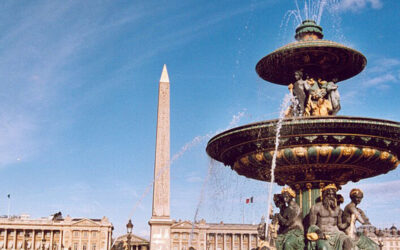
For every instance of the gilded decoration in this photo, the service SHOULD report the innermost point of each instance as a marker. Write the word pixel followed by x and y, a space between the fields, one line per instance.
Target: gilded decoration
pixel 259 157
pixel 296 163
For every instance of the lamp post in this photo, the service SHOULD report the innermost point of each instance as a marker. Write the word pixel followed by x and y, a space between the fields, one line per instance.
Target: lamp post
pixel 26 235
pixel 129 228
pixel 380 243
pixel 43 242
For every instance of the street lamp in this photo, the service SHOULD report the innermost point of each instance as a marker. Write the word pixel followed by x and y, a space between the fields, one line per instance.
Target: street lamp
pixel 380 243
pixel 129 228
pixel 26 235
pixel 43 242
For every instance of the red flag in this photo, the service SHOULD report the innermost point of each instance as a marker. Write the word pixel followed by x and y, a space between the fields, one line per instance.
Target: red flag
pixel 249 200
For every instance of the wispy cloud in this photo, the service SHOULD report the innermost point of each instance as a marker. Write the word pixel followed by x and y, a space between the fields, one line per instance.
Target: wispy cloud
pixel 383 72
pixel 194 179
pixel 379 80
pixel 184 31
pixel 357 5
pixel 382 191
pixel 385 64
pixel 16 133
pixel 42 46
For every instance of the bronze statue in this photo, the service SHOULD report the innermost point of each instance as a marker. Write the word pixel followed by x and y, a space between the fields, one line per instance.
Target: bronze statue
pixel 334 97
pixel 326 223
pixel 264 242
pixel 291 231
pixel 313 98
pixel 299 92
pixel 261 229
pixel 352 214
pixel 318 103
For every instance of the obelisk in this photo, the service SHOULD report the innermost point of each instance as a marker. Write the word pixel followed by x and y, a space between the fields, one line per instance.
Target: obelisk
pixel 160 221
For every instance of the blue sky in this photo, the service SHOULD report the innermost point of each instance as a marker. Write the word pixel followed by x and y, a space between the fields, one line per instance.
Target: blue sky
pixel 78 101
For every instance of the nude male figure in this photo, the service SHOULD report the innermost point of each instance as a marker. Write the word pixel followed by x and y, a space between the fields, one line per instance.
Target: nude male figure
pixel 326 222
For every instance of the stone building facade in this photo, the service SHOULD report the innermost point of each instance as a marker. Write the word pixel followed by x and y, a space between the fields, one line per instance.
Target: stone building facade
pixel 388 238
pixel 213 236
pixel 135 243
pixel 55 233
pixel 205 236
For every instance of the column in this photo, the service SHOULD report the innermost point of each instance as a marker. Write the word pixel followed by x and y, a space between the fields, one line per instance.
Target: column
pixel 60 240
pixel 80 240
pixel 241 241
pixel 33 239
pixel 199 240
pixel 224 239
pixel 249 243
pixel 216 241
pixel 15 238
pixel 109 240
pixel 205 240
pixel 180 241
pixel 5 238
pixel 89 241
pixel 43 237
pixel 51 239
pixel 24 239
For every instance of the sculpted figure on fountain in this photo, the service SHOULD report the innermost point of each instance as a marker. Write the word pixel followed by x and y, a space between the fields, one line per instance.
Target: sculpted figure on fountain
pixel 299 92
pixel 352 214
pixel 333 94
pixel 313 98
pixel 291 231
pixel 318 103
pixel 326 224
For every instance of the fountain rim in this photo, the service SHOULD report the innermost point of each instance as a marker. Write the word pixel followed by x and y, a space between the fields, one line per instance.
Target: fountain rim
pixel 321 42
pixel 297 121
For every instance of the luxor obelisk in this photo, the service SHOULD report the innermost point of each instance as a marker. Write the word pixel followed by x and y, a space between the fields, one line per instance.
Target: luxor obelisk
pixel 160 221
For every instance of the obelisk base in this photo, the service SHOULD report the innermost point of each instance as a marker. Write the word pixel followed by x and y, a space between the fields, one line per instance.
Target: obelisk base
pixel 160 233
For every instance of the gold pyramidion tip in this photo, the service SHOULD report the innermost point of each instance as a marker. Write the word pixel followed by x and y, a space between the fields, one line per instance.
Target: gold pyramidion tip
pixel 164 74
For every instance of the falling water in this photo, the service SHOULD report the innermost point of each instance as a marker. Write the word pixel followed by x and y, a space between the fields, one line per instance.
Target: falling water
pixel 313 9
pixel 194 142
pixel 211 165
pixel 287 100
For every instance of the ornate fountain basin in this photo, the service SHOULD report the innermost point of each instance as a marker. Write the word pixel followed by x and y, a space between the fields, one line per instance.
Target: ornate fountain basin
pixel 314 149
pixel 318 58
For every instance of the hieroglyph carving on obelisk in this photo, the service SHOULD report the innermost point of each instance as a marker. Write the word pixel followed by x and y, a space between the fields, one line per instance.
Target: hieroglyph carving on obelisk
pixel 160 221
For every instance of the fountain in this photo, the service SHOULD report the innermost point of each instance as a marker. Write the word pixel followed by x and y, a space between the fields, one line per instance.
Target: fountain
pixel 317 149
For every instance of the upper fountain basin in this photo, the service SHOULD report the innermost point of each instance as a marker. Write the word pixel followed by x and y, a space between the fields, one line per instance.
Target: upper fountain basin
pixel 317 58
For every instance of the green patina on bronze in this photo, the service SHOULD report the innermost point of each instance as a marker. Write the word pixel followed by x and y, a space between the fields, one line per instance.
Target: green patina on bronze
pixel 308 27
pixel 336 149
pixel 316 58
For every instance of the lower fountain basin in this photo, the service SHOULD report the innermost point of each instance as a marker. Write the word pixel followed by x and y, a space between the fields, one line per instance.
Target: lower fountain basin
pixel 311 149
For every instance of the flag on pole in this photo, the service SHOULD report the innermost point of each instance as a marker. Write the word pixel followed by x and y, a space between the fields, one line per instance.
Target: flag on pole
pixel 249 200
